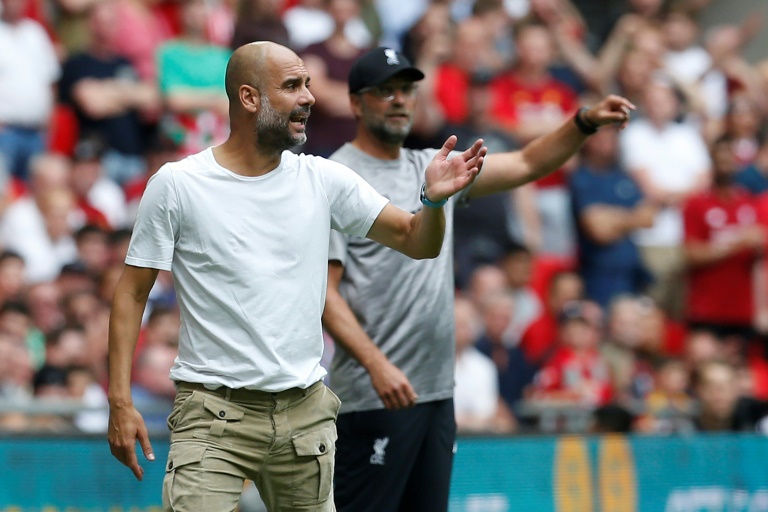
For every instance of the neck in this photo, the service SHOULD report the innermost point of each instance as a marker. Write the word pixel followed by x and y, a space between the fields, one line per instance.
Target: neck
pixel 367 143
pixel 100 49
pixel 598 164
pixel 659 124
pixel 723 188
pixel 531 74
pixel 240 155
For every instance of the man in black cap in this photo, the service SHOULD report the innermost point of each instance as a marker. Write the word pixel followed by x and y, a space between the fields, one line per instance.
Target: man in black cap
pixel 391 317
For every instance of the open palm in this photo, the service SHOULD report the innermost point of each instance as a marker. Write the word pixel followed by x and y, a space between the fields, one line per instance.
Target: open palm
pixel 445 176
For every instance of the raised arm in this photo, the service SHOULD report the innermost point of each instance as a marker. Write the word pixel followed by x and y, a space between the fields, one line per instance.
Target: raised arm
pixel 549 152
pixel 421 235
pixel 339 320
pixel 125 423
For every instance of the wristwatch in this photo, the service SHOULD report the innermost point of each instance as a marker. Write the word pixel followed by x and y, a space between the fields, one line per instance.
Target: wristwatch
pixel 427 202
pixel 582 124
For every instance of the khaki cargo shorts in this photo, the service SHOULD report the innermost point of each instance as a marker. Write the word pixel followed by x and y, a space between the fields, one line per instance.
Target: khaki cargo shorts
pixel 284 442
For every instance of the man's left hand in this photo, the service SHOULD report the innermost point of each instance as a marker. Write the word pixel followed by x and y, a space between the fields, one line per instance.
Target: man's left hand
pixel 612 110
pixel 446 176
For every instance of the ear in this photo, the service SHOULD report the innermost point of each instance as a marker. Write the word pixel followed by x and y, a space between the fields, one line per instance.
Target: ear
pixel 250 98
pixel 355 101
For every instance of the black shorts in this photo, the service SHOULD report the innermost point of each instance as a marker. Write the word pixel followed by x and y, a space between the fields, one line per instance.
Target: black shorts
pixel 395 461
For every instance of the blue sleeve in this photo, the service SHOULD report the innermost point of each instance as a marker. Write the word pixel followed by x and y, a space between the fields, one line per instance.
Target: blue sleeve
pixel 751 179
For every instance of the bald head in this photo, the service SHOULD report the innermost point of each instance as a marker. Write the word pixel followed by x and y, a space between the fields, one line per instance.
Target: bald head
pixel 251 63
pixel 267 87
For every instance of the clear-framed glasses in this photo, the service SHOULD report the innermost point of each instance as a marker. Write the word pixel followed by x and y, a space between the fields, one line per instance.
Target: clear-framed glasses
pixel 387 92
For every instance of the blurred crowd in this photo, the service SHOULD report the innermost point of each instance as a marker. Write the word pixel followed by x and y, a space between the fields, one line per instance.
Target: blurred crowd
pixel 629 285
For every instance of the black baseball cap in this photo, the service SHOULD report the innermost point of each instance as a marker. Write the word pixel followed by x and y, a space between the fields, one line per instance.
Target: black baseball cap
pixel 379 65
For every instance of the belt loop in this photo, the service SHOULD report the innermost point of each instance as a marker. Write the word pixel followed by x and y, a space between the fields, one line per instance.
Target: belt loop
pixel 229 394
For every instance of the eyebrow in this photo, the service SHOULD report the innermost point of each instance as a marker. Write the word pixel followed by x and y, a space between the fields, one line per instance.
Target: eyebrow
pixel 296 81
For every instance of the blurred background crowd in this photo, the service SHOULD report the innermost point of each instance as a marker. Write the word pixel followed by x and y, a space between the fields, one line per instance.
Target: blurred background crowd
pixel 625 292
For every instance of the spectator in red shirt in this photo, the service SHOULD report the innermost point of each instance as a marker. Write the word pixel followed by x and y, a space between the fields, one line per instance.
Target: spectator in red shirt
pixel 540 338
pixel 722 244
pixel 528 102
pixel 576 372
pixel 473 54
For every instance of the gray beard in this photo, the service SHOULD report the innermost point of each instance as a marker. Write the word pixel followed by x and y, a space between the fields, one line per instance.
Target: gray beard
pixel 272 129
pixel 386 134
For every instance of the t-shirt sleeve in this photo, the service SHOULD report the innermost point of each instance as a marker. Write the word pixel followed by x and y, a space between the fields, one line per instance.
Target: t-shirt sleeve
pixel 354 203
pixel 337 247
pixel 157 224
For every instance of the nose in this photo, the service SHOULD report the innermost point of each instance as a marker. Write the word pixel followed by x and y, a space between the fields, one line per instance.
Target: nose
pixel 307 98
pixel 399 97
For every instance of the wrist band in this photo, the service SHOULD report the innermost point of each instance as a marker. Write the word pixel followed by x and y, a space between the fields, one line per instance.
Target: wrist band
pixel 427 202
pixel 582 124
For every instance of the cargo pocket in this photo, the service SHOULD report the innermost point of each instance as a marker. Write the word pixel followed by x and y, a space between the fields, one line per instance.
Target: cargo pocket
pixel 220 413
pixel 181 403
pixel 174 484
pixel 313 470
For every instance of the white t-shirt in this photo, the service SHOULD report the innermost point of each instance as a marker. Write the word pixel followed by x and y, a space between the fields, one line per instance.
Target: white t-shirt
pixel 477 387
pixel 23 230
pixel 307 26
pixel 106 196
pixel 249 257
pixel 674 159
pixel 688 65
pixel 28 68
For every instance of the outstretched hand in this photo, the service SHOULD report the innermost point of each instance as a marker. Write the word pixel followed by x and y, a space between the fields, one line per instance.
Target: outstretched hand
pixel 445 177
pixel 612 110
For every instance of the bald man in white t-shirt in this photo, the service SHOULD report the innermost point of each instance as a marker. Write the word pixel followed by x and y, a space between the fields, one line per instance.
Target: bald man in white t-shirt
pixel 244 229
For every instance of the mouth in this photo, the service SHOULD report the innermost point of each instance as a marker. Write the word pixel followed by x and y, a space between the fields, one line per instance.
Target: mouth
pixel 299 121
pixel 399 116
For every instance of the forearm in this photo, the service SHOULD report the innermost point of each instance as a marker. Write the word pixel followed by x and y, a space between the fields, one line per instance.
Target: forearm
pixel 142 95
pixel 193 101
pixel 124 326
pixel 606 225
pixel 549 152
pixel 340 322
pixel 425 236
pixel 700 254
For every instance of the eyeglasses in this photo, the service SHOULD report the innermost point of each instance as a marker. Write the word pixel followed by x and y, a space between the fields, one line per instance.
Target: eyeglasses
pixel 388 92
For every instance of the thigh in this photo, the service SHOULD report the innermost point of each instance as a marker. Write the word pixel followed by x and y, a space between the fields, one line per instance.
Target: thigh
pixel 298 471
pixel 215 444
pixel 199 477
pixel 375 456
pixel 429 484
pixel 668 290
